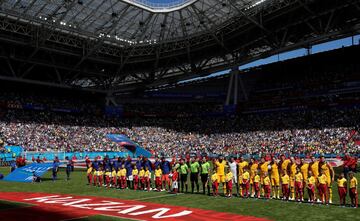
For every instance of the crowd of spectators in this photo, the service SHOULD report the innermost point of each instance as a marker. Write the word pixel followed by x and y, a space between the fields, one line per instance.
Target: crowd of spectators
pixel 300 132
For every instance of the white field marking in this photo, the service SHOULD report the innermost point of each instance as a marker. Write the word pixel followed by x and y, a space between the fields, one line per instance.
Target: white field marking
pixel 161 212
pixel 42 198
pixel 110 206
pixel 162 196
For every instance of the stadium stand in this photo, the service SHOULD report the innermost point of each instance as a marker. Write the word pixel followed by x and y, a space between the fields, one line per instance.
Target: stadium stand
pixel 288 113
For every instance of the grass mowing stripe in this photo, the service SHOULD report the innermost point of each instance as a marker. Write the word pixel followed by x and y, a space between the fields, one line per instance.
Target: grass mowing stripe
pixel 104 218
pixel 162 196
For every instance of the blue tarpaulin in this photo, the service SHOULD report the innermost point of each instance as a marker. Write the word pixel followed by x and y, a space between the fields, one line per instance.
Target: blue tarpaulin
pixel 130 145
pixel 26 173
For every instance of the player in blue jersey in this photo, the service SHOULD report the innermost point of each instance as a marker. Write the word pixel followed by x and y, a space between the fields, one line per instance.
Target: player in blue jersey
pixel 55 169
pixel 69 164
pixel 129 168
pixel 166 169
pixel 12 165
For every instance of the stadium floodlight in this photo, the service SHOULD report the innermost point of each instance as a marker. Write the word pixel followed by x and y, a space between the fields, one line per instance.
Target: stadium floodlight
pixel 255 4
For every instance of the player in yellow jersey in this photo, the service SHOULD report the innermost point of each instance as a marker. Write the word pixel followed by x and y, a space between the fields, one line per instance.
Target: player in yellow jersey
pixel 275 178
pixel 266 184
pixel 322 180
pixel 122 176
pixel 229 184
pixel 253 169
pixel 241 165
pixel 299 180
pixel 220 171
pixel 330 174
pixel 107 178
pixel 285 180
pixel 158 174
pixel 284 163
pixel 353 186
pixel 304 168
pixel 113 177
pixel 89 174
pixel 264 168
pixel 95 175
pixel 245 182
pixel 314 168
pixel 118 175
pixel 292 173
pixel 257 180
pixel 147 177
pixel 100 175
pixel 135 174
pixel 310 185
pixel 342 189
pixel 141 178
pixel 215 184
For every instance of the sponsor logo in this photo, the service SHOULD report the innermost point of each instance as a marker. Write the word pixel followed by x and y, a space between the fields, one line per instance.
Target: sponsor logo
pixel 123 208
pixel 60 207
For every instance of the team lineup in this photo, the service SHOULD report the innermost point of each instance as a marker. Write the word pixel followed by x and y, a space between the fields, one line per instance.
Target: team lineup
pixel 288 179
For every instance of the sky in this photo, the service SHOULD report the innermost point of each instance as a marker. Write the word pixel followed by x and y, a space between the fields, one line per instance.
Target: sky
pixel 331 45
pixel 162 2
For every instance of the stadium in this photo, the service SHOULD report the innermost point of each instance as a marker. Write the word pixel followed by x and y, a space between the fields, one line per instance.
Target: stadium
pixel 179 110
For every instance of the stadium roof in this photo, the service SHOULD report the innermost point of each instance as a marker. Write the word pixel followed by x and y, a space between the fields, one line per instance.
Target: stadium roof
pixel 131 21
pixel 120 45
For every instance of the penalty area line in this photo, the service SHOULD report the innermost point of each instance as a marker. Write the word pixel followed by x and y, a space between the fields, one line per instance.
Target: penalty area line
pixel 162 196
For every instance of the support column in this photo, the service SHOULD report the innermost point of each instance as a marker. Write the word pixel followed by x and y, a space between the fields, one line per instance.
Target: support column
pixel 236 87
pixel 243 90
pixel 110 100
pixel 228 96
pixel 235 84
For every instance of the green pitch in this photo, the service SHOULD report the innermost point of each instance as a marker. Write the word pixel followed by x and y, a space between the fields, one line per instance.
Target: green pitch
pixel 9 205
pixel 271 209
